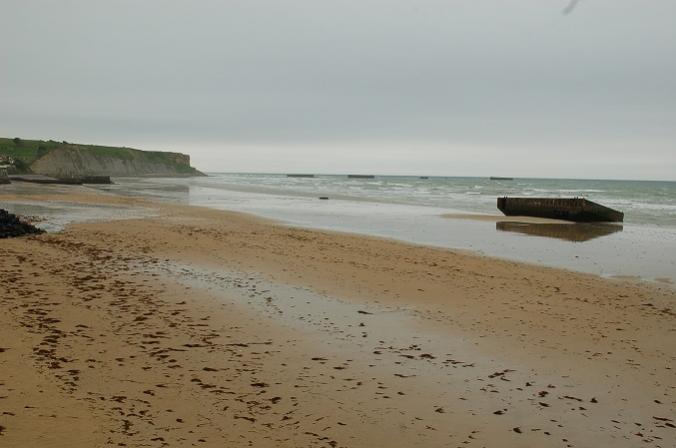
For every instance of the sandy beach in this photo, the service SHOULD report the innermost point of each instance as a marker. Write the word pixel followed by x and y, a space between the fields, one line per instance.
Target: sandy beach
pixel 198 327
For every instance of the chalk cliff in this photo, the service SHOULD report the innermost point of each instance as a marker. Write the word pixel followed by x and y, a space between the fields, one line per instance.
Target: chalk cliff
pixel 73 162
pixel 62 159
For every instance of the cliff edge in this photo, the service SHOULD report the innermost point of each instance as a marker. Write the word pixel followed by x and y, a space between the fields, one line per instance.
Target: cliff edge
pixel 63 159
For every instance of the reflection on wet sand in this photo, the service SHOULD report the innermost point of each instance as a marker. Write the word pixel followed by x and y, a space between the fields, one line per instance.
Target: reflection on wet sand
pixel 577 232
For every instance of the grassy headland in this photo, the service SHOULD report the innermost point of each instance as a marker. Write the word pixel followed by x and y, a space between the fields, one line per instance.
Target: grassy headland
pixel 43 155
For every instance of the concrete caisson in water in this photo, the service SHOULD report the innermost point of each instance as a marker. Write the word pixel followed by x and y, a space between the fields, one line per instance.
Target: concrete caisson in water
pixel 569 209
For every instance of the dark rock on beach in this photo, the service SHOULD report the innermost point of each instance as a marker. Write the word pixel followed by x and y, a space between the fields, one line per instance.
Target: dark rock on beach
pixel 12 226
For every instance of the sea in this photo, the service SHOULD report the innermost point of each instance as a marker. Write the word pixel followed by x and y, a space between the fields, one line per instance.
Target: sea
pixel 643 202
pixel 432 210
pixel 416 209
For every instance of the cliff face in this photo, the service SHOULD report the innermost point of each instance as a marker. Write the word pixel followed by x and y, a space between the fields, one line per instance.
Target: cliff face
pixel 62 159
pixel 68 162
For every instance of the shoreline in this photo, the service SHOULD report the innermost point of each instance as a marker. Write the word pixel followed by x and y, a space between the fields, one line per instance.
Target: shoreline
pixel 592 248
pixel 105 204
pixel 297 337
pixel 600 249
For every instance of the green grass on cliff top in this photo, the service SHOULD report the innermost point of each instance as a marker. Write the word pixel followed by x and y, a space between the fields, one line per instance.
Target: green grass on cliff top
pixel 30 150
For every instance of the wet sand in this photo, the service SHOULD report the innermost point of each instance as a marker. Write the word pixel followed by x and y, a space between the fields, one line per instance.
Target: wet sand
pixel 198 327
pixel 503 218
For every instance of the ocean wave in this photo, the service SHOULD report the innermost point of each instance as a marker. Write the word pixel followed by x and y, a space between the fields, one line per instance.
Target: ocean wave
pixel 642 202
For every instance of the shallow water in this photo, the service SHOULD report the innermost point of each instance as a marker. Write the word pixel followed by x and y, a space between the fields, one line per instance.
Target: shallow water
pixel 54 216
pixel 644 202
pixel 644 247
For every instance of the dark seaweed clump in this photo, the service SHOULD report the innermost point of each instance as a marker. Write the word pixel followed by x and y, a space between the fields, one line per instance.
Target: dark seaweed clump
pixel 11 226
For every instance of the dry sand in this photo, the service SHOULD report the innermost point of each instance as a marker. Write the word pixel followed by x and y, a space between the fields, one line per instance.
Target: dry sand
pixel 207 328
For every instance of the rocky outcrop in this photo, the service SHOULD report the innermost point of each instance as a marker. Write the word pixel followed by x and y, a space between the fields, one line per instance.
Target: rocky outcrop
pixel 73 161
pixel 11 226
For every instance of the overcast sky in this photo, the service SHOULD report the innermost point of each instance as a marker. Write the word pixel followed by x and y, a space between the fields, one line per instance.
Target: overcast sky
pixel 448 87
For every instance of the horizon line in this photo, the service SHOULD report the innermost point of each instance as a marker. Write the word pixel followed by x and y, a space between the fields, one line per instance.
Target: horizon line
pixel 437 176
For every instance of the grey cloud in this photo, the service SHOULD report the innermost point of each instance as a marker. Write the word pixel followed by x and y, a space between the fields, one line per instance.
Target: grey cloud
pixel 211 76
